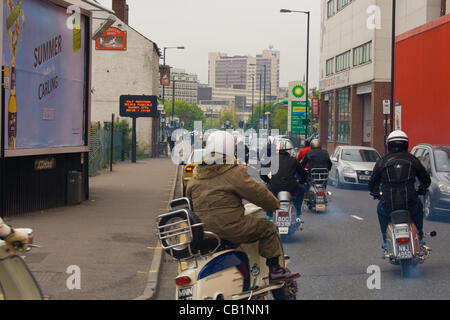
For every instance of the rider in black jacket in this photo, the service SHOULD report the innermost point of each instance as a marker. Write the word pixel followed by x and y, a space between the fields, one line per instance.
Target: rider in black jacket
pixel 396 172
pixel 285 178
pixel 316 157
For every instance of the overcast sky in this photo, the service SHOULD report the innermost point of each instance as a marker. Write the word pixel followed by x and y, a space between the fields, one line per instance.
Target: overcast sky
pixel 235 27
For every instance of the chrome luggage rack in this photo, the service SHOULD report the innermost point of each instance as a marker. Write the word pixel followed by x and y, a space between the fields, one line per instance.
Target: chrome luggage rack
pixel 178 229
pixel 319 176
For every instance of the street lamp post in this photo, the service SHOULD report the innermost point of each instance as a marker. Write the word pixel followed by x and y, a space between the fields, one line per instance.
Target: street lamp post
pixel 164 63
pixel 394 7
pixel 307 62
pixel 265 81
pixel 163 86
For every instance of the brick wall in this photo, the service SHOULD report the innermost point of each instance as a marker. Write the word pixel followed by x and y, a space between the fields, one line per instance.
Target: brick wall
pixel 380 91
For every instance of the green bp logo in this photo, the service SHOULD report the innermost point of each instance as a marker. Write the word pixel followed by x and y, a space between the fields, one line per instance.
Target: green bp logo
pixel 298 91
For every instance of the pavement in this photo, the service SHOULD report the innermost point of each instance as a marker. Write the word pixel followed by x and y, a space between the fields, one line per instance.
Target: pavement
pixel 105 248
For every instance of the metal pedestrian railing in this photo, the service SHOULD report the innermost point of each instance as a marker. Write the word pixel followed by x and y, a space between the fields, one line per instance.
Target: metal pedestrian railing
pixel 100 147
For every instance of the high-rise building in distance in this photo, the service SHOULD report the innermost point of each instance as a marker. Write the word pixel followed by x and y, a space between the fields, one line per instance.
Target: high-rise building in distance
pixel 242 72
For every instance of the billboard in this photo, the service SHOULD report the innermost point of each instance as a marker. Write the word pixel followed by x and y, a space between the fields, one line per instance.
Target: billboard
pixel 46 57
pixel 112 39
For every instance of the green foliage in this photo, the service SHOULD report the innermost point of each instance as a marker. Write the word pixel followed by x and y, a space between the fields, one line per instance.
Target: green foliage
pixel 189 112
pixel 124 126
pixel 280 119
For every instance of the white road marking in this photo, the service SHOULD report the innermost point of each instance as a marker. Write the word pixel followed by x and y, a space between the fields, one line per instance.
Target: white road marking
pixel 357 218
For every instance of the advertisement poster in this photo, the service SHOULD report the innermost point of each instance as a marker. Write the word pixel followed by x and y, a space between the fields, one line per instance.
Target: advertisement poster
pixel 112 39
pixel 164 73
pixel 46 58
pixel 398 116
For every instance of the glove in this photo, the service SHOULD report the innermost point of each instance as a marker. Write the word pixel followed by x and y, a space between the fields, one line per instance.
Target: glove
pixel 376 196
pixel 17 240
pixel 421 191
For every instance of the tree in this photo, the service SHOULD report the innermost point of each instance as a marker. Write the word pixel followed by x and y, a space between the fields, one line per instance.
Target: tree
pixel 187 112
pixel 280 119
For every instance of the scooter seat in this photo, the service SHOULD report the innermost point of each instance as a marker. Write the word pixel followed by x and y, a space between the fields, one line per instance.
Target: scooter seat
pixel 400 216
pixel 209 244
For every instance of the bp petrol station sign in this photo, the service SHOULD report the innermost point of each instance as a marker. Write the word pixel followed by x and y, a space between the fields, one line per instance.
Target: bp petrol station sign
pixel 298 107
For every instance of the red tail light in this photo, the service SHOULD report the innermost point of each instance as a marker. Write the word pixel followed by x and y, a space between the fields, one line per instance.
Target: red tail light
pixel 320 193
pixel 189 169
pixel 182 281
pixel 402 240
pixel 283 213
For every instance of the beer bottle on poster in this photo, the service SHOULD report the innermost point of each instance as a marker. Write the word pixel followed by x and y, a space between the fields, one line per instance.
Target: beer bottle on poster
pixel 12 112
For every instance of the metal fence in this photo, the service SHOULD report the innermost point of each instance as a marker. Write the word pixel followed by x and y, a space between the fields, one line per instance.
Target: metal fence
pixel 100 147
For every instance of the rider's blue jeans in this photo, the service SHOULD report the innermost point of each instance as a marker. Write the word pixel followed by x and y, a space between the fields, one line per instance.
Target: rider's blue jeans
pixel 384 217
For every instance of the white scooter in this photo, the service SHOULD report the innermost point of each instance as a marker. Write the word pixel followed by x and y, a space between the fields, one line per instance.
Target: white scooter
pixel 16 280
pixel 285 218
pixel 403 246
pixel 211 268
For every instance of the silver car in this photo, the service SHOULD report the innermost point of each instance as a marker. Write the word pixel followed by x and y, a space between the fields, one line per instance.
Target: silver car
pixel 352 165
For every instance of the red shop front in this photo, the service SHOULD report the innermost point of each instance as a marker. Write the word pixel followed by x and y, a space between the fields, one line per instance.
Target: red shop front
pixel 422 82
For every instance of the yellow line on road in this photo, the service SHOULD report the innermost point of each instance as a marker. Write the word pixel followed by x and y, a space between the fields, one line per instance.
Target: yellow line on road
pixel 146 272
pixel 154 248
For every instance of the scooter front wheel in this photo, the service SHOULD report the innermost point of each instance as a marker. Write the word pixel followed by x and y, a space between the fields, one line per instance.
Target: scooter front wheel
pixel 287 292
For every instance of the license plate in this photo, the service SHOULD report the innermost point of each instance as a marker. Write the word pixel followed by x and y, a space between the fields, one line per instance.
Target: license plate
pixel 283 230
pixel 283 222
pixel 404 252
pixel 364 178
pixel 185 293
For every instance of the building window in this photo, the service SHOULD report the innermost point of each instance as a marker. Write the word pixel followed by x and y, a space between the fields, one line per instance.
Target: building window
pixel 330 66
pixel 362 54
pixel 330 8
pixel 342 3
pixel 330 117
pixel 343 62
pixel 343 116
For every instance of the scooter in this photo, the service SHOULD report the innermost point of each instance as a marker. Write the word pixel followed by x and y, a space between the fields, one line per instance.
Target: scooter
pixel 16 280
pixel 317 197
pixel 403 245
pixel 285 218
pixel 211 268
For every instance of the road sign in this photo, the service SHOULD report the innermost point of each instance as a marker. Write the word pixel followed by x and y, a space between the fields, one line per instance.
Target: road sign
pixel 160 107
pixel 386 106
pixel 138 106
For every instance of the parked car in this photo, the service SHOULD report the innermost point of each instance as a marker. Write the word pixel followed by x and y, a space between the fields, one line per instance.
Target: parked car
pixel 352 165
pixel 188 167
pixel 436 159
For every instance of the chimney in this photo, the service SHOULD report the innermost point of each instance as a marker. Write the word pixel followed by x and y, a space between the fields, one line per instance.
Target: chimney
pixel 120 7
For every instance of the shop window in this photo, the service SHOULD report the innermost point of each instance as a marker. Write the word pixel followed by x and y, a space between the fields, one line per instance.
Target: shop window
pixel 330 117
pixel 343 116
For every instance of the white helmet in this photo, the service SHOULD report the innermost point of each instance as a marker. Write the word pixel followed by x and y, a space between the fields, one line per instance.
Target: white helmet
pixel 398 135
pixel 220 145
pixel 284 145
pixel 398 141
